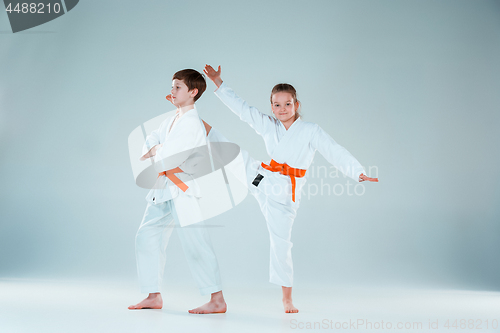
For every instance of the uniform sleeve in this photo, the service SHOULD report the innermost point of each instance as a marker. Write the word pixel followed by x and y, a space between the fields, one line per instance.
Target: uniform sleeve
pixel 259 121
pixel 152 140
pixel 181 143
pixel 337 155
pixel 155 137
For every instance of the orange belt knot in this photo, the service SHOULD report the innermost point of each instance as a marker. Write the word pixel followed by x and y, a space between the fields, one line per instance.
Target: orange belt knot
pixel 286 170
pixel 170 175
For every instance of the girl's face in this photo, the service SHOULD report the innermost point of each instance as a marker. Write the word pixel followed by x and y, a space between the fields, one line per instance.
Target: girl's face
pixel 283 106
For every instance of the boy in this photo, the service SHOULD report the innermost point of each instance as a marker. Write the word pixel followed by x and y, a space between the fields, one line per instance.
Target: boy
pixel 169 147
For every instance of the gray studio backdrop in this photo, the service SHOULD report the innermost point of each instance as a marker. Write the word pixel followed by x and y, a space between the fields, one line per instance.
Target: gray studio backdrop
pixel 410 88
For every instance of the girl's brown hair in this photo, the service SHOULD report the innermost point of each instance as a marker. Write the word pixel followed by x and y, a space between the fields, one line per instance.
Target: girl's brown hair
pixel 288 88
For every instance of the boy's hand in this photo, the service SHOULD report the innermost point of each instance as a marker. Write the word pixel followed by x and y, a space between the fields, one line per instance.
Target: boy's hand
pixel 362 178
pixel 151 152
pixel 169 98
pixel 213 75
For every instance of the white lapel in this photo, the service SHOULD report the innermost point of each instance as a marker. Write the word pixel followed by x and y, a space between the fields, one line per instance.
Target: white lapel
pixel 280 150
pixel 169 125
pixel 189 114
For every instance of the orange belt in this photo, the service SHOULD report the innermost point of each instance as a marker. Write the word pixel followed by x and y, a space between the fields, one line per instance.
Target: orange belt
pixel 286 170
pixel 170 175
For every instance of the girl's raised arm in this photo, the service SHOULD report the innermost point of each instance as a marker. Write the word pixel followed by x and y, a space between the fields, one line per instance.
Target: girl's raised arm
pixel 260 122
pixel 213 75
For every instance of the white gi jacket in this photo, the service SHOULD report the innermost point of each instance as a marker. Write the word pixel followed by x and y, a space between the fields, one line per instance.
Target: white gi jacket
pixel 186 134
pixel 295 147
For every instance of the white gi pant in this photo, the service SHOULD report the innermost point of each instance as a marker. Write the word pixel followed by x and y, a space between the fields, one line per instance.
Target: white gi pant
pixel 151 242
pixel 279 218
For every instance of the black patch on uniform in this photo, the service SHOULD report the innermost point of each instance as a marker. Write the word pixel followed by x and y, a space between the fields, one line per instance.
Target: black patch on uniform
pixel 257 180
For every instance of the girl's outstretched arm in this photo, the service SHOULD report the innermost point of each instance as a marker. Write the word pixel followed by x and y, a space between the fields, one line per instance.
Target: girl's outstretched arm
pixel 338 156
pixel 362 178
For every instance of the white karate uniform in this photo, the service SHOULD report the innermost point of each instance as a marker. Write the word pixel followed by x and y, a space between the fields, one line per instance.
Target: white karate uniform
pixel 179 140
pixel 166 202
pixel 295 147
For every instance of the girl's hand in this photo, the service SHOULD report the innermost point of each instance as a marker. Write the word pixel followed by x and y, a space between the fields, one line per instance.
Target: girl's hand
pixel 362 178
pixel 213 75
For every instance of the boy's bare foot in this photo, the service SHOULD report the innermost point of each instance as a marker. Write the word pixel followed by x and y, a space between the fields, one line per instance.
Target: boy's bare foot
pixel 210 307
pixel 287 300
pixel 216 305
pixel 153 301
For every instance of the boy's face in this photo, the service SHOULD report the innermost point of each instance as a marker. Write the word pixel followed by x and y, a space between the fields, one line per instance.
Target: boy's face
pixel 283 106
pixel 181 96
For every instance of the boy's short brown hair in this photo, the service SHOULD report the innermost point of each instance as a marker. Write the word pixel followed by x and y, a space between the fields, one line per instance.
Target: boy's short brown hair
pixel 193 80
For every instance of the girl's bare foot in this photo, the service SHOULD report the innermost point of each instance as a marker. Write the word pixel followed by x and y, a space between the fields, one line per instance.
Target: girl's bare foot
pixel 287 300
pixel 216 305
pixel 153 301
pixel 289 308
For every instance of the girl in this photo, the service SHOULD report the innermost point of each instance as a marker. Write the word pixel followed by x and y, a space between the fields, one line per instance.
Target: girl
pixel 291 144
